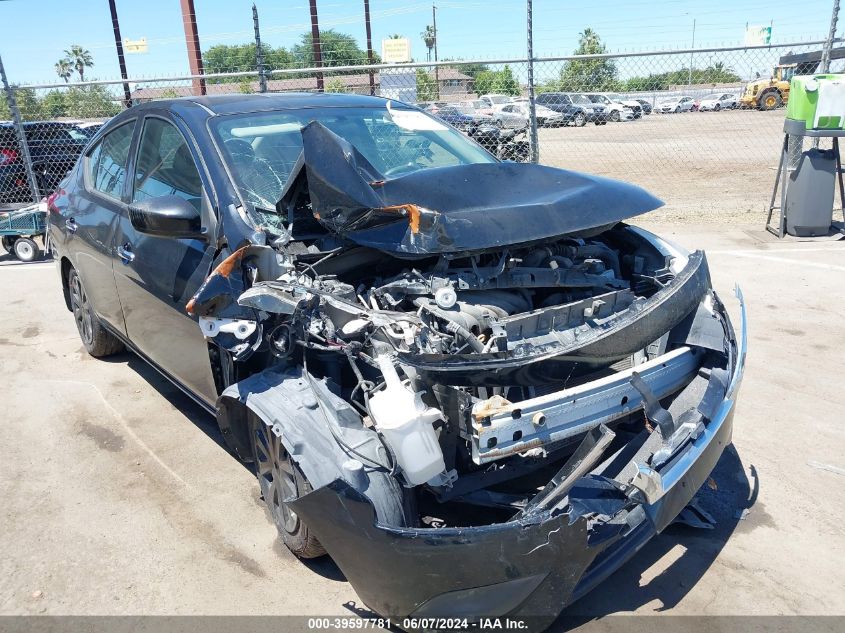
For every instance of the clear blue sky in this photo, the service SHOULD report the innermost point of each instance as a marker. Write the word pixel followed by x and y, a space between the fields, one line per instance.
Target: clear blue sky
pixel 34 33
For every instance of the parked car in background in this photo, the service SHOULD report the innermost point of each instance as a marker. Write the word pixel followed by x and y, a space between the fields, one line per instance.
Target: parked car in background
pixel 462 117
pixel 677 104
pixel 494 101
pixel 632 104
pixel 516 115
pixel 89 128
pixel 575 108
pixel 613 110
pixel 479 106
pixel 53 147
pixel 719 101
pixel 646 105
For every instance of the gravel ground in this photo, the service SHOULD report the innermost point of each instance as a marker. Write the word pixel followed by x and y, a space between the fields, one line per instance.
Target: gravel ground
pixel 706 166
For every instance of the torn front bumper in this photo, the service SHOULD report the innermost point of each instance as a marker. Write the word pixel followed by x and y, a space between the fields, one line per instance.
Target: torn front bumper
pixel 530 567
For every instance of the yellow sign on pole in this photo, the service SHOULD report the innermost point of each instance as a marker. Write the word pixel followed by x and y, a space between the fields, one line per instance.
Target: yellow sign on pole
pixel 396 51
pixel 135 46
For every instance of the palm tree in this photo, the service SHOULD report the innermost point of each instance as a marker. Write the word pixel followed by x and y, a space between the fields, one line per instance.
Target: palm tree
pixel 80 58
pixel 428 37
pixel 64 68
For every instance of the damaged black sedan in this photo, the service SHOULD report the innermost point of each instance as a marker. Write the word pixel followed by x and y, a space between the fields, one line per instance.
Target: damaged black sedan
pixel 470 382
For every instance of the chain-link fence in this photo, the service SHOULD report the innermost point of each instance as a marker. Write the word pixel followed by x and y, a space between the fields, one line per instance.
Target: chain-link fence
pixel 699 128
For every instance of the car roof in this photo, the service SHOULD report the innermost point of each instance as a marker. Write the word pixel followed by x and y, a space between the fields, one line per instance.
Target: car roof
pixel 229 104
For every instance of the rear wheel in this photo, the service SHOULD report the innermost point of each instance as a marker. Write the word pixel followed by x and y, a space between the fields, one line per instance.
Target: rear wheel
pixel 25 249
pixel 280 478
pixel 97 340
pixel 8 242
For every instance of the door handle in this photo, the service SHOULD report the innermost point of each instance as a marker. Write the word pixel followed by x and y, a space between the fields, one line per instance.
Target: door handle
pixel 71 226
pixel 125 253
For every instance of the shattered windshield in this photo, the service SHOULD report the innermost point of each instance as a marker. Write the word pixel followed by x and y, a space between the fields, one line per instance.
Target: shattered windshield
pixel 261 148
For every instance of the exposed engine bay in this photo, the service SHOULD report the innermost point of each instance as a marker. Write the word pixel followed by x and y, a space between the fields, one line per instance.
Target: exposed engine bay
pixel 463 366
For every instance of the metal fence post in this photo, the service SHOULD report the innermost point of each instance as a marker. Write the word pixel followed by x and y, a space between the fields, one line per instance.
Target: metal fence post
pixel 16 117
pixel 259 52
pixel 532 111
pixel 828 45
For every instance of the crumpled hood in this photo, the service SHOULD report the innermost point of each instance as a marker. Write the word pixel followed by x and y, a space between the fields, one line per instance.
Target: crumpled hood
pixel 456 209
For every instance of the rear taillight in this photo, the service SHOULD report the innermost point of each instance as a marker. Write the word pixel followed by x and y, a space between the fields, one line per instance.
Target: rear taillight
pixel 8 156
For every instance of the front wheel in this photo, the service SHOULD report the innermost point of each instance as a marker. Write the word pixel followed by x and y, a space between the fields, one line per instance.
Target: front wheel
pixel 580 120
pixel 615 116
pixel 770 100
pixel 97 340
pixel 717 107
pixel 280 479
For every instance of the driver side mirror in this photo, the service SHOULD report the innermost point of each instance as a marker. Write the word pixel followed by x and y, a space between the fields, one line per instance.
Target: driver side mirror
pixel 166 216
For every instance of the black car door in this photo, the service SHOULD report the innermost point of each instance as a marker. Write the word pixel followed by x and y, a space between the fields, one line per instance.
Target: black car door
pixel 91 218
pixel 156 276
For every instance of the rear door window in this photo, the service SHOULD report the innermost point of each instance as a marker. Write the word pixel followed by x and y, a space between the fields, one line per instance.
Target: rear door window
pixel 106 163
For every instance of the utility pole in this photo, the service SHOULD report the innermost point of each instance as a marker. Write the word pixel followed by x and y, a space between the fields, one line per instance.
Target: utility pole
pixel 689 78
pixel 259 52
pixel 121 60
pixel 192 40
pixel 436 67
pixel 369 46
pixel 315 43
pixel 532 110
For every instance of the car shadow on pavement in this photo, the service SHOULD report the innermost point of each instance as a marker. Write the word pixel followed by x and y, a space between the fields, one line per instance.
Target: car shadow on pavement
pixel 671 564
pixel 203 420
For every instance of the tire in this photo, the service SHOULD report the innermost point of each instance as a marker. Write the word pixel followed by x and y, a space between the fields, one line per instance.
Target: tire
pixel 717 107
pixel 98 341
pixel 579 120
pixel 25 249
pixel 615 116
pixel 8 242
pixel 770 100
pixel 279 477
pixel 677 109
pixel 499 123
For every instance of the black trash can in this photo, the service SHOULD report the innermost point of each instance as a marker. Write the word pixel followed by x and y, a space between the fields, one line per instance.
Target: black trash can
pixel 809 196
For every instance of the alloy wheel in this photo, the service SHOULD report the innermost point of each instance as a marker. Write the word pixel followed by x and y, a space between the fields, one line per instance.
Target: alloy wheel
pixel 81 310
pixel 275 476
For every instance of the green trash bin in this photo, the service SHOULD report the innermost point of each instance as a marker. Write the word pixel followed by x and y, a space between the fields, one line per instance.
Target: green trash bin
pixel 804 92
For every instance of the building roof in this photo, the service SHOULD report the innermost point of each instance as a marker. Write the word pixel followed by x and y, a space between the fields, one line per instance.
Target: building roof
pixel 304 84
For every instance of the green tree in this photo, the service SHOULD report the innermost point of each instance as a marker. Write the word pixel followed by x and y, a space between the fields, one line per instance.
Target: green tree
pixel 64 68
pixel 589 74
pixel 716 73
pixel 426 86
pixel 428 37
pixel 80 58
pixel 497 82
pixel 28 105
pixel 54 104
pixel 334 85
pixel 225 58
pixel 85 102
pixel 336 49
